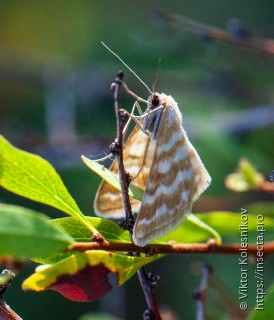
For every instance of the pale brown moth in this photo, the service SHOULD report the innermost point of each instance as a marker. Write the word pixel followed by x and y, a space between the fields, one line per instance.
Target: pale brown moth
pixel 161 160
pixel 138 154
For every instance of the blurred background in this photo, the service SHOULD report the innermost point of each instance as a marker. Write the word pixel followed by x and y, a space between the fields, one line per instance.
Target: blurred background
pixel 56 101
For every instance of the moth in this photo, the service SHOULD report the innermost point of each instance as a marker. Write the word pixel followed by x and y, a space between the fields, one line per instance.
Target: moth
pixel 164 163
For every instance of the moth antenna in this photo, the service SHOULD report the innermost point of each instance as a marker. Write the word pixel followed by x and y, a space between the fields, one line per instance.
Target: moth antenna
pixel 157 74
pixel 116 55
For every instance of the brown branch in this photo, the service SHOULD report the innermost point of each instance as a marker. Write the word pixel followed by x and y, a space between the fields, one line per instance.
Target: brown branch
pixel 117 149
pixel 172 248
pixel 6 313
pixel 218 34
pixel 124 178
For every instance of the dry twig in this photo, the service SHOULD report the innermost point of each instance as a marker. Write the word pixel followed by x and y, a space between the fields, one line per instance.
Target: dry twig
pixel 243 39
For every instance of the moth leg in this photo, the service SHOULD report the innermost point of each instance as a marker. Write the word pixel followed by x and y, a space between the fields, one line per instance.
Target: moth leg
pixel 144 121
pixel 146 113
pixel 136 104
pixel 133 94
pixel 140 125
pixel 131 115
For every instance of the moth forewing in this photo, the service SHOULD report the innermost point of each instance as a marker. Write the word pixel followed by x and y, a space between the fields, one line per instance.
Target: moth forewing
pixel 177 177
pixel 138 153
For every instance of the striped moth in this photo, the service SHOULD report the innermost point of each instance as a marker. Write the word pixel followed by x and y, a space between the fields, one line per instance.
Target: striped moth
pixel 162 161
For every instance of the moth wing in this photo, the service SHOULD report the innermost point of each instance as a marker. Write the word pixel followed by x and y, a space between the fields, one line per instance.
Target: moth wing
pixel 138 153
pixel 177 177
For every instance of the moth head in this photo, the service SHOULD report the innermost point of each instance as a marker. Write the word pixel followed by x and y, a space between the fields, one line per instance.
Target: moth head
pixel 154 101
pixel 153 114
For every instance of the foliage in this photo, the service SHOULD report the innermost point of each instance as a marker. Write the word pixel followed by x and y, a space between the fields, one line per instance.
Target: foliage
pixel 268 309
pixel 84 276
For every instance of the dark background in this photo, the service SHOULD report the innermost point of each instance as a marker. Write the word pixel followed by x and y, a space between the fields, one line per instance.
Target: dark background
pixel 55 101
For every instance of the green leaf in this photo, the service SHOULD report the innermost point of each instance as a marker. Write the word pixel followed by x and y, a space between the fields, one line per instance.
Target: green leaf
pixel 80 233
pixel 110 230
pixel 94 264
pixel 267 310
pixel 191 230
pixel 112 178
pixel 227 223
pixel 245 178
pixel 31 176
pixel 265 208
pixel 25 233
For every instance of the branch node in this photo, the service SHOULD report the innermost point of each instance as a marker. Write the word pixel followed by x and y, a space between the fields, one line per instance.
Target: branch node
pixel 118 81
pixel 212 245
pixel 128 178
pixel 115 147
pixel 98 237
pixel 124 116
pixel 197 295
pixel 152 251
pixel 119 77
pixel 113 87
pixel 153 279
pixel 148 315
pixel 208 268
pixel 126 224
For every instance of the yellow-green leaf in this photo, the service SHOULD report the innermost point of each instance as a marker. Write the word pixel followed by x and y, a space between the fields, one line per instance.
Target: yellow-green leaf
pixel 245 178
pixel 70 276
pixel 112 178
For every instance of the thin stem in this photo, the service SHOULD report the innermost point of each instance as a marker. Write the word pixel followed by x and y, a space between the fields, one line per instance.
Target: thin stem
pixel 6 313
pixel 172 248
pixel 199 295
pixel 118 151
pixel 150 298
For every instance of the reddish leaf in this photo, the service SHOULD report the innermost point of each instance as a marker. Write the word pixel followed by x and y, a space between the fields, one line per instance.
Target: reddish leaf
pixel 84 276
pixel 88 284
